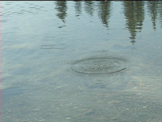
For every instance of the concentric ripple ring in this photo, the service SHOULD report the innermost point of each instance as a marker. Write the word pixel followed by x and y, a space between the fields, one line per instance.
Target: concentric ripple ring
pixel 100 65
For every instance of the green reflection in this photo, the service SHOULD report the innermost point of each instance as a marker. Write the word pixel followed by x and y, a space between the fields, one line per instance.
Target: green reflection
pixel 61 7
pixel 89 7
pixel 104 12
pixel 152 9
pixel 134 14
pixel 78 7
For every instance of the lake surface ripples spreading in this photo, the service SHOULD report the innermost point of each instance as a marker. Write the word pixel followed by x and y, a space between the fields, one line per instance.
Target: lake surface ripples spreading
pixel 81 61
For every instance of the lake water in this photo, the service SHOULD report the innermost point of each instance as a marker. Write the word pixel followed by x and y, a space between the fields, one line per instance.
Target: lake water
pixel 84 61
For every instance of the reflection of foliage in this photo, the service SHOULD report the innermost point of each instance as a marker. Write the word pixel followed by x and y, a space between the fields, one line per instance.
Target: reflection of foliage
pixel 134 14
pixel 89 7
pixel 133 11
pixel 62 8
pixel 78 7
pixel 152 8
pixel 160 11
pixel 104 11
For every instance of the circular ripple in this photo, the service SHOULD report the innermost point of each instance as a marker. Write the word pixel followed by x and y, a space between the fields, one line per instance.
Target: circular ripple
pixel 99 65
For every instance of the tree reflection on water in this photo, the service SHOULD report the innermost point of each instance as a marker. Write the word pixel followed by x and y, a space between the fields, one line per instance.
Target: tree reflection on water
pixel 134 12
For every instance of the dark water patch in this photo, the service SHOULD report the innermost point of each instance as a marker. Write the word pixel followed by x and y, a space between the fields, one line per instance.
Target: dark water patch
pixel 90 112
pixel 11 92
pixel 100 65
pixel 3 21
pixel 61 26
pixel 52 47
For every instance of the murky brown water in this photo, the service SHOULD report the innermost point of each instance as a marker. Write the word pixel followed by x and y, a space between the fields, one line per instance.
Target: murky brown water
pixel 81 61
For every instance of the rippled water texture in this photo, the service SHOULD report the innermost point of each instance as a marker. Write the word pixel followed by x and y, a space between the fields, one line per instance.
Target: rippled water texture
pixel 81 61
pixel 99 65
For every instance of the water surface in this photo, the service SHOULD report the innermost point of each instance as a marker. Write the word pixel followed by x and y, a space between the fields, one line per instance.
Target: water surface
pixel 41 42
